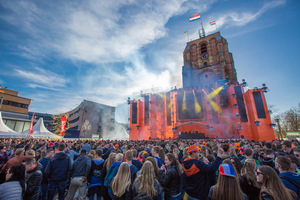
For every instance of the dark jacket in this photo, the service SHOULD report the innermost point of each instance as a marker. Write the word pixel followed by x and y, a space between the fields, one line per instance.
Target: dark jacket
pixel 94 177
pixel 138 164
pixel 59 167
pixel 44 162
pixel 293 176
pixel 133 171
pixel 268 161
pixel 159 161
pixel 33 183
pixel 157 187
pixel 250 190
pixel 266 196
pixel 196 183
pixel 81 167
pixel 170 181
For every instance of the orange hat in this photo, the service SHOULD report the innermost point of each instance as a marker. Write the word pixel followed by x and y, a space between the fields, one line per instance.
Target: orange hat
pixel 237 145
pixel 193 148
pixel 203 143
pixel 116 146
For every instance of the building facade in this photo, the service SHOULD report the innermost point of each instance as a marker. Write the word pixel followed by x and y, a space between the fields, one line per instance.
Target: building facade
pixel 211 103
pixel 91 118
pixel 14 109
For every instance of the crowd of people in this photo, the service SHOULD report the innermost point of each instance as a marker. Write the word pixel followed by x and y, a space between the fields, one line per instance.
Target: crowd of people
pixel 158 169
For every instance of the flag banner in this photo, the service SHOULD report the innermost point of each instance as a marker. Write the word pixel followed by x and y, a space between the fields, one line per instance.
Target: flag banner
pixel 63 125
pixel 186 32
pixel 212 23
pixel 31 124
pixel 194 17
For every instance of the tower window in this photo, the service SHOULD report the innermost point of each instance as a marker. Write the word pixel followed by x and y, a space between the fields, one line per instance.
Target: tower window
pixel 205 64
pixel 203 49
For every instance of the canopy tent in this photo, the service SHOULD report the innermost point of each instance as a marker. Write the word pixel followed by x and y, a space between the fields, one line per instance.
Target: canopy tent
pixel 6 132
pixel 39 131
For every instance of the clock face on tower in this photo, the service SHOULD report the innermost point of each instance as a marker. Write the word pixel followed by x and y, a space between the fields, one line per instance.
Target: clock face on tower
pixel 204 56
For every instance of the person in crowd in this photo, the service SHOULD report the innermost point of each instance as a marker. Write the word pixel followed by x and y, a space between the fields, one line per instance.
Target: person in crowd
pixel 107 164
pixel 94 178
pixel 272 187
pixel 195 179
pixel 257 147
pixel 3 155
pixel 133 169
pixel 33 178
pixel 108 151
pixel 296 152
pixel 58 172
pixel 237 164
pixel 146 184
pixel 30 153
pixel 170 178
pixel 86 146
pixel 287 147
pixel 295 164
pixel 73 153
pixel 269 159
pixel 138 164
pixel 291 180
pixel 248 182
pixel 44 184
pixel 17 160
pixel 227 187
pixel 155 167
pixel 121 183
pixel 113 170
pixel 155 154
pixel 79 173
pixel 14 187
pixel 248 153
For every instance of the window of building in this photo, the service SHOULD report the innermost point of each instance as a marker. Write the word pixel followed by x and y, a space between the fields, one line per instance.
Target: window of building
pixel 100 120
pixel 74 120
pixel 112 120
pixel 203 49
pixel 74 128
pixel 112 128
pixel 99 129
pixel 101 111
pixel 15 104
pixel 205 64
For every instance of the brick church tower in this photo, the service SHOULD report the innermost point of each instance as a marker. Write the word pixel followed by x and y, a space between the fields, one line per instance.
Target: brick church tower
pixel 207 60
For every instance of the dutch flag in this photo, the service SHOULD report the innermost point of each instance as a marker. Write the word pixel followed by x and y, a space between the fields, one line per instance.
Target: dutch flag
pixel 194 17
pixel 212 23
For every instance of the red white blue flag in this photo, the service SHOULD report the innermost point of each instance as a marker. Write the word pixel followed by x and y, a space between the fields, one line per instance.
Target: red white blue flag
pixel 212 23
pixel 194 17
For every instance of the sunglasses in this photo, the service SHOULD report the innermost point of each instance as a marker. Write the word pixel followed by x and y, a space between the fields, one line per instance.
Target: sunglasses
pixel 297 155
pixel 258 173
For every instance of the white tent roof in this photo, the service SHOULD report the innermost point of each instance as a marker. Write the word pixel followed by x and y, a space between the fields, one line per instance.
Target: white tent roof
pixel 6 132
pixel 40 131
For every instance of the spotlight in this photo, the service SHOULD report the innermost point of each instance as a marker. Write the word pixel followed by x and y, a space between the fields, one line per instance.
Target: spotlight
pixel 138 127
pixel 211 128
pixel 244 83
pixel 239 127
pixel 128 100
pixel 237 115
pixel 273 125
pixel 235 105
pixel 265 88
pixel 128 129
pixel 233 95
pixel 173 130
pixel 257 123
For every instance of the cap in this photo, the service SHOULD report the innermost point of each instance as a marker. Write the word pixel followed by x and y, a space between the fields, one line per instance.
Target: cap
pixel 227 170
pixel 193 148
pixel 116 146
pixel 237 145
pixel 203 143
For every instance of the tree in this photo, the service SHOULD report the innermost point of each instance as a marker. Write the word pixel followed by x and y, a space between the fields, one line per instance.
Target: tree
pixel 57 123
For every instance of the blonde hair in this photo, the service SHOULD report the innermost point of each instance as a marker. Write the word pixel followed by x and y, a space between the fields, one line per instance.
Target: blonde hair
pixel 249 171
pixel 122 181
pixel 30 153
pixel 109 161
pixel 146 179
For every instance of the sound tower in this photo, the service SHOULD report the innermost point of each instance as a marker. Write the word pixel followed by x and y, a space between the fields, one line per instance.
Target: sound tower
pixel 259 105
pixel 241 104
pixel 134 113
pixel 146 110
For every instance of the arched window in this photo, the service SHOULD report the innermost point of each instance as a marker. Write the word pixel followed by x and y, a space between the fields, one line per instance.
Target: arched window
pixel 203 49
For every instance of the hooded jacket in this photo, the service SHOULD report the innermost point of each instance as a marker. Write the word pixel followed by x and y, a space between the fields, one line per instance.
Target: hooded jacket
pixel 268 161
pixel 59 167
pixel 293 176
pixel 81 166
pixel 196 182
pixel 33 181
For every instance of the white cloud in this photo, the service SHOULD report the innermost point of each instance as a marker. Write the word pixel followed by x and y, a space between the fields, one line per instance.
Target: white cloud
pixel 234 18
pixel 40 78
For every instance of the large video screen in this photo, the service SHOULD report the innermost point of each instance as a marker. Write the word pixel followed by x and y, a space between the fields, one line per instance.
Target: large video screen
pixel 190 107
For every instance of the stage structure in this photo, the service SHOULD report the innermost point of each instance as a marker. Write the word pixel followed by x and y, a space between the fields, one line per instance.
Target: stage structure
pixel 211 103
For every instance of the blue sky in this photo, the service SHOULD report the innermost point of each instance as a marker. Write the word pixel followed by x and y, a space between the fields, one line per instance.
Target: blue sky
pixel 61 52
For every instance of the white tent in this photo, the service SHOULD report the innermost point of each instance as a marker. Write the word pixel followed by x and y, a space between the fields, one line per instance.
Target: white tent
pixel 39 131
pixel 6 132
